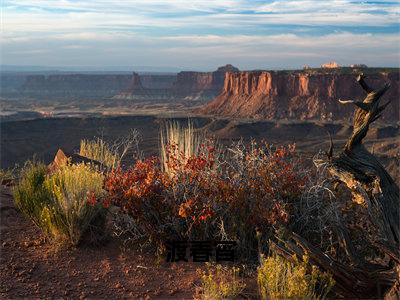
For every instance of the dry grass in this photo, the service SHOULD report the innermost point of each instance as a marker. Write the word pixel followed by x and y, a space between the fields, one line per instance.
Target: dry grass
pixel 178 141
pixel 100 151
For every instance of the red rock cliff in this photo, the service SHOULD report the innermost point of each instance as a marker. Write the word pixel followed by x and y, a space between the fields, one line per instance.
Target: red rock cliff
pixel 296 95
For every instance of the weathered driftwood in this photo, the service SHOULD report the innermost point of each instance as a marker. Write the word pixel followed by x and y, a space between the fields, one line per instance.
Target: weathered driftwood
pixel 372 187
pixel 363 174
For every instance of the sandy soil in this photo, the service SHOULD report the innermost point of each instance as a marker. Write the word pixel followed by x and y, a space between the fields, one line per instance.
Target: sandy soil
pixel 32 268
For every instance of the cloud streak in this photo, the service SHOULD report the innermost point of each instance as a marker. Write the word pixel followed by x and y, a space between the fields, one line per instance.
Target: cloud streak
pixel 199 32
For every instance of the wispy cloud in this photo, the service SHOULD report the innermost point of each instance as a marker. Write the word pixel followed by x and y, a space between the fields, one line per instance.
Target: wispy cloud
pixel 197 33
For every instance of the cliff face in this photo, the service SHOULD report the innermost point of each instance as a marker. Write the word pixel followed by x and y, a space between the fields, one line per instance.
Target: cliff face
pixel 148 87
pixel 281 95
pixel 185 85
pixel 169 87
pixel 75 85
pixel 201 85
pixel 157 81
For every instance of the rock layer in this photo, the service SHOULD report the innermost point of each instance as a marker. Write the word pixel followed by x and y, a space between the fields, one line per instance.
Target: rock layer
pixel 75 85
pixel 185 85
pixel 148 87
pixel 297 95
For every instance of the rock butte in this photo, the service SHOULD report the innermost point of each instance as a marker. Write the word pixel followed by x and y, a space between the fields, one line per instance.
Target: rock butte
pixel 297 95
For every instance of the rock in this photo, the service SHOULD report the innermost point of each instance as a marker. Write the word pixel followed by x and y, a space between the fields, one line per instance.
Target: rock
pixel 61 159
pixel 28 244
pixel 299 95
pixel 118 285
pixel 173 291
pixel 187 85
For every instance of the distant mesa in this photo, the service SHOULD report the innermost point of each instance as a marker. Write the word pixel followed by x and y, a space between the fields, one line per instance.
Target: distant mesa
pixel 335 65
pixel 67 85
pixel 187 85
pixel 330 65
pixel 227 68
pixel 358 66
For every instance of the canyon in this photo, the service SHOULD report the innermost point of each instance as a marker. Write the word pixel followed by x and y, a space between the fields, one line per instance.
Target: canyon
pixel 308 94
pixel 185 85
pixel 299 95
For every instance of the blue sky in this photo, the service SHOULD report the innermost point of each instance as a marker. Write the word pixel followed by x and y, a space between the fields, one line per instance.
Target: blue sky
pixel 200 34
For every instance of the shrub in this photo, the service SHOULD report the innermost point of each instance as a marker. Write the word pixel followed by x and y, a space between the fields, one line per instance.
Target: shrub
pixel 64 205
pixel 75 190
pixel 260 185
pixel 30 195
pixel 201 191
pixel 279 278
pixel 138 192
pixel 221 283
pixel 100 151
pixel 211 194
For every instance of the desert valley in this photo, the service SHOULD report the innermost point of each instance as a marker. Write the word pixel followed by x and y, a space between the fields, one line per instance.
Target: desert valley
pixel 43 112
pixel 299 106
pixel 202 149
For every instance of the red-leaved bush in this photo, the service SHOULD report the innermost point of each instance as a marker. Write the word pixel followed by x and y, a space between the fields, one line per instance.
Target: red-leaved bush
pixel 211 195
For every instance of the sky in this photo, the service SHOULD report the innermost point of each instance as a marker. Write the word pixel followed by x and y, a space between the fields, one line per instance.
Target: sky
pixel 200 34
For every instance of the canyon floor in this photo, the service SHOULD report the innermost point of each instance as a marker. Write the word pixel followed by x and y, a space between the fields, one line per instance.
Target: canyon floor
pixel 27 131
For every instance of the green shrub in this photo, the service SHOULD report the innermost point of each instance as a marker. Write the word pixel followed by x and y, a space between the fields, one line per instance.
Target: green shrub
pixel 64 205
pixel 221 283
pixel 30 195
pixel 279 278
pixel 75 190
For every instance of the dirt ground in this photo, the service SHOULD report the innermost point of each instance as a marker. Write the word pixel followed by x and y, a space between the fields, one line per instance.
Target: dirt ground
pixel 32 268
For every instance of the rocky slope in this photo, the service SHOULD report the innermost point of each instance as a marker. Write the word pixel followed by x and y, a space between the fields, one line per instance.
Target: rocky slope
pixel 297 95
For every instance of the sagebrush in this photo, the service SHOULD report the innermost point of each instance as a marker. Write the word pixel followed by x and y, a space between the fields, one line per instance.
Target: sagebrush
pixel 221 282
pixel 279 278
pixel 63 204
